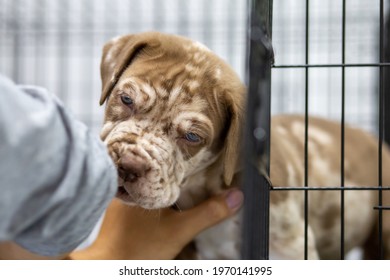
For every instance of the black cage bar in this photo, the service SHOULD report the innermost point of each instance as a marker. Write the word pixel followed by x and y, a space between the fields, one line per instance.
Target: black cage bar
pixel 257 132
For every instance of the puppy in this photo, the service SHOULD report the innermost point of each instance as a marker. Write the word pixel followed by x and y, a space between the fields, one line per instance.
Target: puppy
pixel 172 126
pixel 172 121
pixel 324 163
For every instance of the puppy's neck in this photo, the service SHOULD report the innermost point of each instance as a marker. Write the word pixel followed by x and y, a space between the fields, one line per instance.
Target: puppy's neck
pixel 201 185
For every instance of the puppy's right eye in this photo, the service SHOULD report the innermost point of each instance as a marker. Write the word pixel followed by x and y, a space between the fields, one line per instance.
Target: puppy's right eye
pixel 192 137
pixel 127 100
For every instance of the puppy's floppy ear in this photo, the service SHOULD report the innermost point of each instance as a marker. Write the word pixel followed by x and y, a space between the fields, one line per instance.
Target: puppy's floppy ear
pixel 232 152
pixel 118 55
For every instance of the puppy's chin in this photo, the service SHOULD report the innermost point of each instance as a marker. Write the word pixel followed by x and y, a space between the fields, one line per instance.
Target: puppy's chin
pixel 131 199
pixel 125 197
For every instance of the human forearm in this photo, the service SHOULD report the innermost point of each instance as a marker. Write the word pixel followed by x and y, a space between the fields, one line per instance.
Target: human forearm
pixel 56 177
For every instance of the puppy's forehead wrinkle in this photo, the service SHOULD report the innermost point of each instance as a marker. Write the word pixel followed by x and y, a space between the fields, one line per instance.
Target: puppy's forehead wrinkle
pixel 149 96
pixel 173 96
pixel 143 93
pixel 188 119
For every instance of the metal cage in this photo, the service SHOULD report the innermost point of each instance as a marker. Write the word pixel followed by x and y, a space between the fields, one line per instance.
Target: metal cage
pixel 257 187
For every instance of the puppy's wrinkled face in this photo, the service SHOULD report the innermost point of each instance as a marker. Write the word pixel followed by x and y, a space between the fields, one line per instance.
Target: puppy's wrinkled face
pixel 167 116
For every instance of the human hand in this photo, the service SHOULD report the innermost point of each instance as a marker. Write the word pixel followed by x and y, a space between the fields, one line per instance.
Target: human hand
pixel 135 233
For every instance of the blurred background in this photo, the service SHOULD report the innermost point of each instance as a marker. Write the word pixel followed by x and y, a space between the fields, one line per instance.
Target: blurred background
pixel 325 47
pixel 57 44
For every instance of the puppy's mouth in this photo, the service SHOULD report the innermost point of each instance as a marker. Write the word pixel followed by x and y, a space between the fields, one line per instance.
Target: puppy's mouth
pixel 124 195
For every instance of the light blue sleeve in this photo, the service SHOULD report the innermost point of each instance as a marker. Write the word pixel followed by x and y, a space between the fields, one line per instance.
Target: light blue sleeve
pixel 56 178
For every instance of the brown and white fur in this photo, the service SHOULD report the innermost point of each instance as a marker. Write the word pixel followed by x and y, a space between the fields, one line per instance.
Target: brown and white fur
pixel 172 126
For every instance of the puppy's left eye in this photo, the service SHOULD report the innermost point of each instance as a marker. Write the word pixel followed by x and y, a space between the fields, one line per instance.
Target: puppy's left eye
pixel 192 137
pixel 127 100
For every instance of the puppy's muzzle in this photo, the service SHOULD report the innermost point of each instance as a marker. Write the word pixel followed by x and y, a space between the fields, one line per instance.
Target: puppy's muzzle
pixel 131 168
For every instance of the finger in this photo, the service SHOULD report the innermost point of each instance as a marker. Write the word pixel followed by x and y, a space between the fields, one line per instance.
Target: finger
pixel 209 213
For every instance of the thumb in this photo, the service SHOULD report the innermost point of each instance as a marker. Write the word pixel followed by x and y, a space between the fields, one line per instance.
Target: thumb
pixel 210 212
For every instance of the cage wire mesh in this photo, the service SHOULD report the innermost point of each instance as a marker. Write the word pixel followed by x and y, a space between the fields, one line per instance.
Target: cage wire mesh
pixel 331 40
pixel 325 37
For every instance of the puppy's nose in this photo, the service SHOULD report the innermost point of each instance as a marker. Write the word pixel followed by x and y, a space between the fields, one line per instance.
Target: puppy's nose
pixel 130 168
